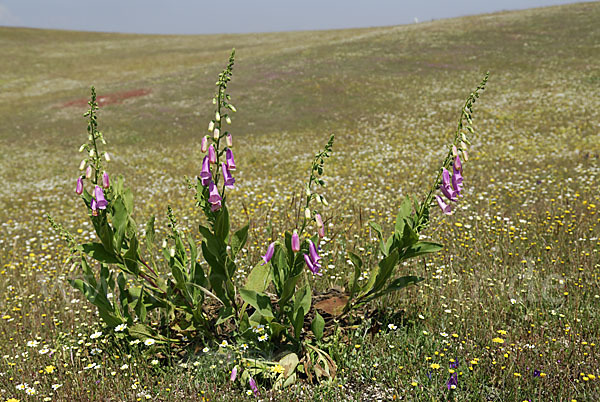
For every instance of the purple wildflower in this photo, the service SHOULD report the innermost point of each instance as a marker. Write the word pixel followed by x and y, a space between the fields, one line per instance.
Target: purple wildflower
pixel 229 159
pixel 94 207
pixel 105 180
pixel 270 250
pixel 205 175
pixel 295 242
pixel 212 155
pixel 204 144
pixel 446 209
pixel 79 188
pixel 229 140
pixel 229 179
pixel 446 186
pixel 312 260
pixel 99 195
pixel 213 196
pixel 254 387
pixel 536 373
pixel 234 373
pixel 452 381
pixel 88 172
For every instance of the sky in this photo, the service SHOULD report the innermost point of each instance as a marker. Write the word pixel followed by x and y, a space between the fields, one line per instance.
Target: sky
pixel 240 16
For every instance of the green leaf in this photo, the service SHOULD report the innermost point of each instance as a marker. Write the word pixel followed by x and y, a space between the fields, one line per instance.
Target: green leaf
pixel 99 253
pixel 317 326
pixel 408 238
pixel 120 221
pixel 238 241
pixel 131 257
pixel 259 301
pixel 421 248
pixel 298 322
pixel 259 278
pixel 128 200
pixel 377 229
pixel 386 267
pixel 398 284
pixel 403 214
pixel 289 288
pixel 222 224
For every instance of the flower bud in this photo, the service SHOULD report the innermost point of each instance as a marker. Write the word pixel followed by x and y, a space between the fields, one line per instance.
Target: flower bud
pixel 164 244
pixel 307 213
pixel 107 156
pixel 172 252
pixel 318 198
pixel 465 156
pixel 229 140
pixel 322 231
pixel 319 220
pixel 216 134
pixel 217 116
pixel 82 164
pixel 211 126
pixel 308 192
pixel 88 172
pixel 102 140
pixel 79 188
pixel 105 180
pixel 214 101
pixel 91 153
pixel 324 201
pixel 232 108
pixel 454 151
pixel 81 148
pixel 295 242
pixel 228 120
pixel 212 155
pixel 204 144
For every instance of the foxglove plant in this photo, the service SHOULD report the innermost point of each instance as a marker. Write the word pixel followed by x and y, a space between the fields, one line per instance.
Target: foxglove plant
pixel 412 219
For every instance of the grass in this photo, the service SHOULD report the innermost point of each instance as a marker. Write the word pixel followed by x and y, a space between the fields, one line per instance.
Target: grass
pixel 511 304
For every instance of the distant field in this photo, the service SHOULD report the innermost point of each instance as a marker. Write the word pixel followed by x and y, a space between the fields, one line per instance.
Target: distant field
pixel 521 262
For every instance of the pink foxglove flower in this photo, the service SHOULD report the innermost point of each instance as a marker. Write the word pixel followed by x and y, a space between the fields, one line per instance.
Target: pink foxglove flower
pixel 270 250
pixel 212 154
pixel 88 172
pixel 79 188
pixel 229 159
pixel 105 180
pixel 446 209
pixel 295 242
pixel 204 144
pixel 94 207
pixel 99 195
pixel 254 387
pixel 312 260
pixel 233 374
pixel 229 140
pixel 229 179
pixel 214 197
pixel 205 175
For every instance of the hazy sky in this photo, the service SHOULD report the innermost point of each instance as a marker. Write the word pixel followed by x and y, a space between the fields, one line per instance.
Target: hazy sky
pixel 238 16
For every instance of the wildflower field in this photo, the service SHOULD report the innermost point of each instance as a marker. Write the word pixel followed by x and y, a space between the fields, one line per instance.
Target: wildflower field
pixel 508 310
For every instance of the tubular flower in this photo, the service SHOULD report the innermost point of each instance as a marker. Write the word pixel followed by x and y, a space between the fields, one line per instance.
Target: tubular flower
pixel 105 180
pixel 214 198
pixel 229 179
pixel 233 374
pixel 446 186
pixel 79 188
pixel 254 387
pixel 216 134
pixel 312 260
pixel 446 209
pixel 82 164
pixel 457 179
pixel 295 242
pixel 205 175
pixel 270 250
pixel 229 140
pixel 94 207
pixel 319 220
pixel 99 195
pixel 88 172
pixel 211 126
pixel 212 155
pixel 204 144
pixel 229 159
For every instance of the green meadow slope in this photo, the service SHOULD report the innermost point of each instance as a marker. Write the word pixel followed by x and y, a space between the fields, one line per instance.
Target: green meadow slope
pixel 521 256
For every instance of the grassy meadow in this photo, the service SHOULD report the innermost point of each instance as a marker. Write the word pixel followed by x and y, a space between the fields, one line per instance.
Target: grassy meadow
pixel 510 307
